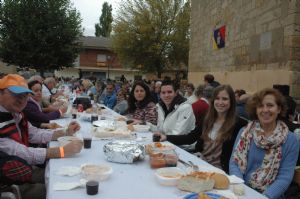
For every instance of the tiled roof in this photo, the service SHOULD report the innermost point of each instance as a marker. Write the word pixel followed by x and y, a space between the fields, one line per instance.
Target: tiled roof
pixel 96 42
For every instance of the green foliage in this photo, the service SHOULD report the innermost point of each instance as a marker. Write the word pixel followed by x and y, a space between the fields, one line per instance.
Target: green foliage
pixel 42 34
pixel 104 27
pixel 152 34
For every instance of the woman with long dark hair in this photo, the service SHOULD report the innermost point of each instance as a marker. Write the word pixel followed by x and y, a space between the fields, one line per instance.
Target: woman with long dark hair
pixel 215 138
pixel 141 105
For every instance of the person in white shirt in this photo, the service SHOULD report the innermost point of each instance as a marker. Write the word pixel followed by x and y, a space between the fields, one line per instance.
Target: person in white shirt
pixel 189 95
pixel 175 115
pixel 47 87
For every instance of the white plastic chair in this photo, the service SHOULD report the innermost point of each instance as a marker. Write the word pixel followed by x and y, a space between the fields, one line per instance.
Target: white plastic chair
pixel 14 194
pixel 7 195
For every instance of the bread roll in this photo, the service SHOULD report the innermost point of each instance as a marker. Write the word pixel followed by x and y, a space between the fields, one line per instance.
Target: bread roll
pixel 221 181
pixel 130 127
pixel 238 189
pixel 194 184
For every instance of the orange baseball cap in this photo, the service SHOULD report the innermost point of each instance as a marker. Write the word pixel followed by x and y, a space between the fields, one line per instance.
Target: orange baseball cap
pixel 15 83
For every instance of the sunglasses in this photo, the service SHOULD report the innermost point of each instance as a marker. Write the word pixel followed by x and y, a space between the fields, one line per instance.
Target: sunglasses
pixel 20 96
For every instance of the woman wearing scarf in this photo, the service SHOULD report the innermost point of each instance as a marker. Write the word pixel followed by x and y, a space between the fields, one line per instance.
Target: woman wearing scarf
pixel 175 115
pixel 141 105
pixel 265 152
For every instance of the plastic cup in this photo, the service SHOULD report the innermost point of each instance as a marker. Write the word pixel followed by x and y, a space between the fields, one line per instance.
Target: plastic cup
pixel 156 138
pixel 92 187
pixel 94 117
pixel 87 143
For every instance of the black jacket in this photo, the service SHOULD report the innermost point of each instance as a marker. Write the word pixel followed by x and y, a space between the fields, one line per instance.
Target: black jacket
pixel 195 135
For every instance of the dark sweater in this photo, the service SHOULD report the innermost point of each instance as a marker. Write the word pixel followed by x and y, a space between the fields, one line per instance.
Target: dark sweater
pixel 36 117
pixel 195 135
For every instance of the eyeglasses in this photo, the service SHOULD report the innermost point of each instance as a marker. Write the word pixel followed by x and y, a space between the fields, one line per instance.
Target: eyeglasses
pixel 21 96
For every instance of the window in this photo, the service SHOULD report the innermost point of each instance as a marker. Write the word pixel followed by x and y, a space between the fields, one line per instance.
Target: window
pixel 101 58
pixel 77 61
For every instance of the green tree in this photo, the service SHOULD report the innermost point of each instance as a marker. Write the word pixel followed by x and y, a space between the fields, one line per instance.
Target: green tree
pixel 152 35
pixel 103 28
pixel 42 34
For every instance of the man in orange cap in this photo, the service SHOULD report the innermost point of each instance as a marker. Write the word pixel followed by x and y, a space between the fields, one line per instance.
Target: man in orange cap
pixel 16 133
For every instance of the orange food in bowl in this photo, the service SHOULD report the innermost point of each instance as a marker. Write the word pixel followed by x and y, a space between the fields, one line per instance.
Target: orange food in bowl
pixel 157 162
pixel 158 144
pixel 156 155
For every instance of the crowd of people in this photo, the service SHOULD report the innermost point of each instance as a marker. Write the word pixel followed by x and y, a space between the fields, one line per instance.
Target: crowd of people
pixel 250 136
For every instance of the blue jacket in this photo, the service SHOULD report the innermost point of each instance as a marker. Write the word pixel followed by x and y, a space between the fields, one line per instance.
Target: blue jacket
pixel 290 151
pixel 109 100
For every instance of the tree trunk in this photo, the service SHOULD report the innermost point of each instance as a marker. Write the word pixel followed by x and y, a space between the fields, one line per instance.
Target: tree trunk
pixel 159 74
pixel 158 68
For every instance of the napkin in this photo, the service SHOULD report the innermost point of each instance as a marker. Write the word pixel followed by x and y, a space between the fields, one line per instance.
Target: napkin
pixel 69 171
pixel 65 186
pixel 235 180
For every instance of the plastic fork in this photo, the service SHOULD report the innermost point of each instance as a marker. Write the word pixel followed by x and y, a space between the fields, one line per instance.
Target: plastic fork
pixel 195 167
pixel 184 163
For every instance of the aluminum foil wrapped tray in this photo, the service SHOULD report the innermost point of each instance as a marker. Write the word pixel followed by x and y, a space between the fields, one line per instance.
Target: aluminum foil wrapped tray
pixel 123 151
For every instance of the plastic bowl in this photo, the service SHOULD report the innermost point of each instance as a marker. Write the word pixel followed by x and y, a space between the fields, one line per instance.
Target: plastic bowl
pixel 141 128
pixel 169 176
pixel 96 172
pixel 66 139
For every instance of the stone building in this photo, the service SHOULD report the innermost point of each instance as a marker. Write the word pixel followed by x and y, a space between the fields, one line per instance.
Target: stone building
pixel 262 43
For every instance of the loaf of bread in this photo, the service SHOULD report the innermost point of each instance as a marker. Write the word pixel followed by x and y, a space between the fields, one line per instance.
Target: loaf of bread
pixel 238 189
pixel 203 181
pixel 194 184
pixel 221 181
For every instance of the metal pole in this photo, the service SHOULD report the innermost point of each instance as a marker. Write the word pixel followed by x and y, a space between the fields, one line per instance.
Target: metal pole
pixel 108 69
pixel 108 63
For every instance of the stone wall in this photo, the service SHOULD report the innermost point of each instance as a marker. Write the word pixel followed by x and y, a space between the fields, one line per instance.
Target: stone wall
pixel 262 43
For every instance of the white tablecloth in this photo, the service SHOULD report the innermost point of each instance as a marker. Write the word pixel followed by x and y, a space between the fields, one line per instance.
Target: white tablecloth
pixel 128 181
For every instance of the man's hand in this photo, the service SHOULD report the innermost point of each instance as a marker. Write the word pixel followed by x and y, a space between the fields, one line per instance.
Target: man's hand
pixel 73 147
pixel 63 109
pixel 73 128
pixel 163 137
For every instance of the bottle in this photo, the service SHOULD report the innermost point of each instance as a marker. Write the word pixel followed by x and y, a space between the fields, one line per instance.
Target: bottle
pixel 94 107
pixel 94 116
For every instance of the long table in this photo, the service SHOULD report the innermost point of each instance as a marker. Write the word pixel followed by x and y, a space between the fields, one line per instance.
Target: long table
pixel 128 181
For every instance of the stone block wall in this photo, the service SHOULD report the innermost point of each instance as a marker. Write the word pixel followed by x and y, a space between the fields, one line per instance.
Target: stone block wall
pixel 262 43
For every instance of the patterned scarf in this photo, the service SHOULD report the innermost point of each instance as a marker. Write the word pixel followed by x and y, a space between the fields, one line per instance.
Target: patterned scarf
pixel 267 172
